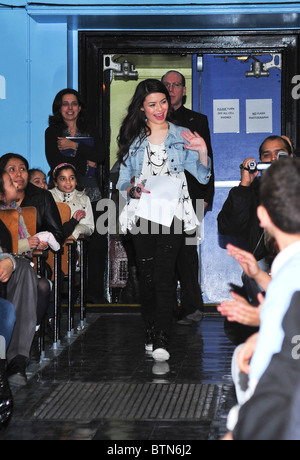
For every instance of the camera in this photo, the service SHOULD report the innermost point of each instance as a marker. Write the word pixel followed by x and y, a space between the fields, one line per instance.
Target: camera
pixel 254 166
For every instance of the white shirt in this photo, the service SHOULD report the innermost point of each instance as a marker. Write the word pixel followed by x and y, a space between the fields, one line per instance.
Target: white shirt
pixel 77 200
pixel 156 163
pixel 285 282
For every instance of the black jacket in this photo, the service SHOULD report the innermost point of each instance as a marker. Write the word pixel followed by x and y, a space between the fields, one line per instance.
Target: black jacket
pixel 48 217
pixel 84 152
pixel 198 122
pixel 5 238
pixel 238 217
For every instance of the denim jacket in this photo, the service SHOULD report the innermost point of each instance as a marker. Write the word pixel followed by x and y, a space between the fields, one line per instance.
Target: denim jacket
pixel 180 158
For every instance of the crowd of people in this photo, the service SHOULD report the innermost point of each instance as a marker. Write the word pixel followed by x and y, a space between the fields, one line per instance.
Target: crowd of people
pixel 164 149
pixel 265 366
pixel 73 179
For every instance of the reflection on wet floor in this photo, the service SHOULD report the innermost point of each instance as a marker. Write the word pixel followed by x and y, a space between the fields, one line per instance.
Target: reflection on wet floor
pixel 103 386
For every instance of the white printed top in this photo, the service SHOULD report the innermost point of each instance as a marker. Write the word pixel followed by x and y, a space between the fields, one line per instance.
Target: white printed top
pixel 156 162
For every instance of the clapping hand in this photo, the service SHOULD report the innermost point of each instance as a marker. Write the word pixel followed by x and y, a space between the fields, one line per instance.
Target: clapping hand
pixel 79 214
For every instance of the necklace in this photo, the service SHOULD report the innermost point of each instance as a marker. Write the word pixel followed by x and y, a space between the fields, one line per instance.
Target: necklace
pixel 157 158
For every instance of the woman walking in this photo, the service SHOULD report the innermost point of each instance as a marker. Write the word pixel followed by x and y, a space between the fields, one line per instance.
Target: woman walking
pixel 152 147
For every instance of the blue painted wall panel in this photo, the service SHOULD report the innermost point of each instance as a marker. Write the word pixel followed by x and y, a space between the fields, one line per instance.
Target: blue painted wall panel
pixel 34 66
pixel 226 80
pixel 48 76
pixel 217 268
pixel 15 3
pixel 231 3
pixel 14 70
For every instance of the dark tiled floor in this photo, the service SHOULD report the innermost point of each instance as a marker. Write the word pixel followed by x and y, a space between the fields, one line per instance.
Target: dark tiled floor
pixel 111 351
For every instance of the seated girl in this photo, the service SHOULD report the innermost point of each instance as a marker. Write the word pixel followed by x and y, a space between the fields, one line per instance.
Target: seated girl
pixel 65 191
pixel 37 178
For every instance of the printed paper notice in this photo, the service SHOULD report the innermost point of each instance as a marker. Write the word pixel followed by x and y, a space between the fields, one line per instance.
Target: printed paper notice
pixel 160 205
pixel 259 116
pixel 226 116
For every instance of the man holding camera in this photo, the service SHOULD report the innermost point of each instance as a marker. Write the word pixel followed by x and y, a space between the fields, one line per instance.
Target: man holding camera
pixel 238 216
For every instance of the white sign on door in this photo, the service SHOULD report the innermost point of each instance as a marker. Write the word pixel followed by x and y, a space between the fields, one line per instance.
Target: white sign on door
pixel 226 116
pixel 259 116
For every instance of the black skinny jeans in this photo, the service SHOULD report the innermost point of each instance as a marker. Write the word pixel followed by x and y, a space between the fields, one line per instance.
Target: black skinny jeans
pixel 156 256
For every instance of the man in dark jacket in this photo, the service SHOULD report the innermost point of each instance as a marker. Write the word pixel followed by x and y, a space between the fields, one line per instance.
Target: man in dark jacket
pixel 238 216
pixel 188 263
pixel 195 121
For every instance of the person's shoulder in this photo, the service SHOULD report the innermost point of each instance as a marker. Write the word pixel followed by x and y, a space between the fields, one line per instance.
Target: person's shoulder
pixel 52 129
pixel 175 129
pixel 138 143
pixel 193 114
pixel 33 190
pixel 91 129
pixel 54 192
pixel 80 194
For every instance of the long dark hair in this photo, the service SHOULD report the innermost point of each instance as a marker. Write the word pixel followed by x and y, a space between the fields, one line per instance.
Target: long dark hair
pixel 57 120
pixel 2 189
pixel 135 124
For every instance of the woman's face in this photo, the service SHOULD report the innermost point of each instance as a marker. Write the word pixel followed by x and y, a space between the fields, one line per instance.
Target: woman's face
pixel 156 108
pixel 70 108
pixel 39 180
pixel 66 181
pixel 11 192
pixel 18 173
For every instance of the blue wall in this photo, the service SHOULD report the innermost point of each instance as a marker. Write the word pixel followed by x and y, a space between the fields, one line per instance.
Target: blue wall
pixel 34 66
pixel 14 68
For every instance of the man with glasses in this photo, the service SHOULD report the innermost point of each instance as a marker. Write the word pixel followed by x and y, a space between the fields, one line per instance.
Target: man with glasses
pixel 174 81
pixel 238 219
pixel 188 263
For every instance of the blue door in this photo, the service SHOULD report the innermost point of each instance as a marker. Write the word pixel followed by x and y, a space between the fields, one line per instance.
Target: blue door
pixel 242 111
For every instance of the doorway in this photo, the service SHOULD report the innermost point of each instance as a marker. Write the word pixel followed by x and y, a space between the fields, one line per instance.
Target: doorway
pixel 151 55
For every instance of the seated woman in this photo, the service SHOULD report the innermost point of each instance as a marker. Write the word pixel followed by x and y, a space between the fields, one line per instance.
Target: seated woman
pixel 26 243
pixel 65 191
pixel 8 197
pixel 48 218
